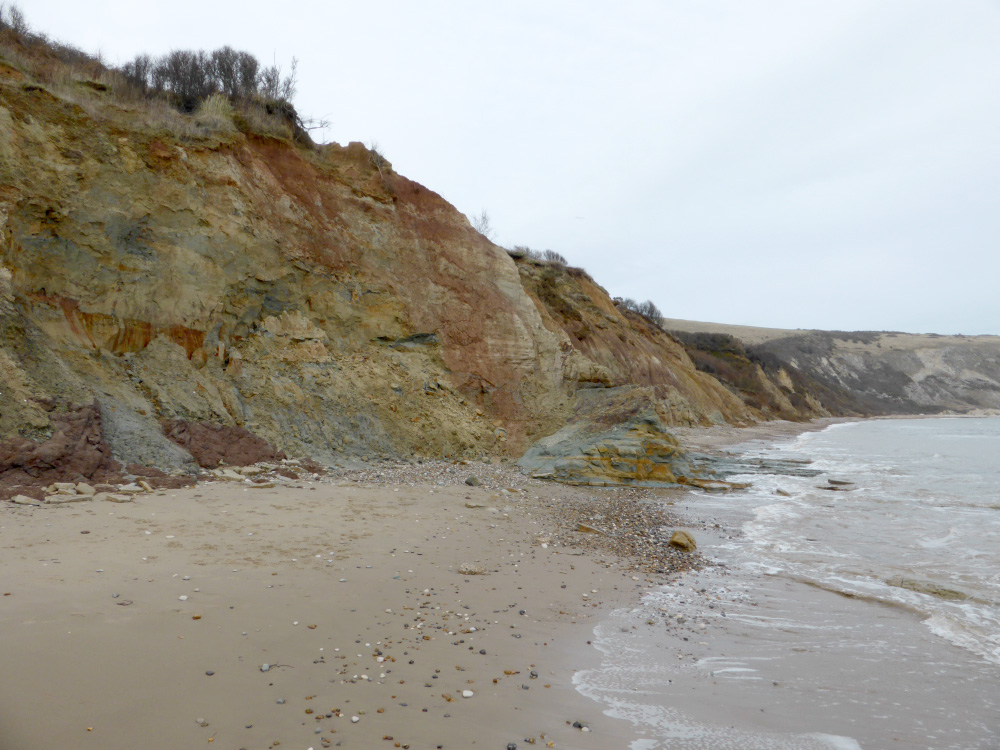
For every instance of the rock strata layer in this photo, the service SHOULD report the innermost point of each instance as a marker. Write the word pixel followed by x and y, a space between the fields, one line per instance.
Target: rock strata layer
pixel 329 307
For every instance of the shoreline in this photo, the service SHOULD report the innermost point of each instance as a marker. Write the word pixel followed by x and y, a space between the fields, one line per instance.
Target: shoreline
pixel 95 623
pixel 743 654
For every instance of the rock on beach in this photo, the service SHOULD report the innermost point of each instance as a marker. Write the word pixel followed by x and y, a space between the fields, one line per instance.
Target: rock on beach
pixel 683 540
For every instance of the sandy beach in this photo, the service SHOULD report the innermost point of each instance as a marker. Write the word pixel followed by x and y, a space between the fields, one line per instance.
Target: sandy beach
pixel 149 623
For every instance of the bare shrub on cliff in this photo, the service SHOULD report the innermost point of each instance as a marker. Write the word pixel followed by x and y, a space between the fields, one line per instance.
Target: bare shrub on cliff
pixel 376 158
pixel 646 309
pixel 551 256
pixel 186 75
pixel 651 313
pixel 236 73
pixel 482 224
pixel 272 86
pixel 12 18
pixel 138 73
pixel 189 77
pixel 540 256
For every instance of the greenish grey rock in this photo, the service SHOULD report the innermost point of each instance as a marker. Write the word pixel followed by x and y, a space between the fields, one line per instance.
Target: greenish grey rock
pixel 614 439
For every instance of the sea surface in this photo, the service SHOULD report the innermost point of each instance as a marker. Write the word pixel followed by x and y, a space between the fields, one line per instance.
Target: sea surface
pixel 858 613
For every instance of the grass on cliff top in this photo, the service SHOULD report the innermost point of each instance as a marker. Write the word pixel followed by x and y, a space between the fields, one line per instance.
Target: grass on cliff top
pixel 107 94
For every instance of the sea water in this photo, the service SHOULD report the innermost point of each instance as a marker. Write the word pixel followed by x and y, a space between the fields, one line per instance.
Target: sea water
pixel 863 613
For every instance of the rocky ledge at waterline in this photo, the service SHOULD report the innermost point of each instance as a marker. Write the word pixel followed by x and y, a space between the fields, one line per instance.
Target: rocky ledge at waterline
pixel 616 438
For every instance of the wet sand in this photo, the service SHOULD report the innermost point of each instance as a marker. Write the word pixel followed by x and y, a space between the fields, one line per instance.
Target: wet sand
pixel 350 594
pixel 149 623
pixel 767 662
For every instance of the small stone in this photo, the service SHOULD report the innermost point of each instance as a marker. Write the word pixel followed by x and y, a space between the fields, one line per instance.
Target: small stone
pixel 61 499
pixel 209 672
pixel 24 500
pixel 683 540
pixel 266 668
pixel 355 719
pixel 467 694
pixel 473 481
pixel 471 569
pixel 280 701
pixel 183 598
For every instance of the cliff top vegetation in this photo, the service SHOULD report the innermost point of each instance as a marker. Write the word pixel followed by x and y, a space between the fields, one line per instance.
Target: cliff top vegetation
pixel 190 93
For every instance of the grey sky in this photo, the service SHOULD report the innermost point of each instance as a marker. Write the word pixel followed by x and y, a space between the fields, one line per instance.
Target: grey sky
pixel 791 164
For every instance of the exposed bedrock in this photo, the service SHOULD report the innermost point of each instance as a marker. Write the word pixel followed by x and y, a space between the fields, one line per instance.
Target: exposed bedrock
pixel 333 309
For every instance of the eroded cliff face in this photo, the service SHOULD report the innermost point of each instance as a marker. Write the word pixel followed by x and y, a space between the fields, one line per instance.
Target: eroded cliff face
pixel 624 349
pixel 859 373
pixel 900 373
pixel 332 307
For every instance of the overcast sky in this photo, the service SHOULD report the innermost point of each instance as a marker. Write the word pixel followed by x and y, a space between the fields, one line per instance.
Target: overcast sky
pixel 791 164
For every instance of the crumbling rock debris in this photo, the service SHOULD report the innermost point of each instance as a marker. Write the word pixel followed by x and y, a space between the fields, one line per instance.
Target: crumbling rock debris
pixel 75 452
pixel 215 444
